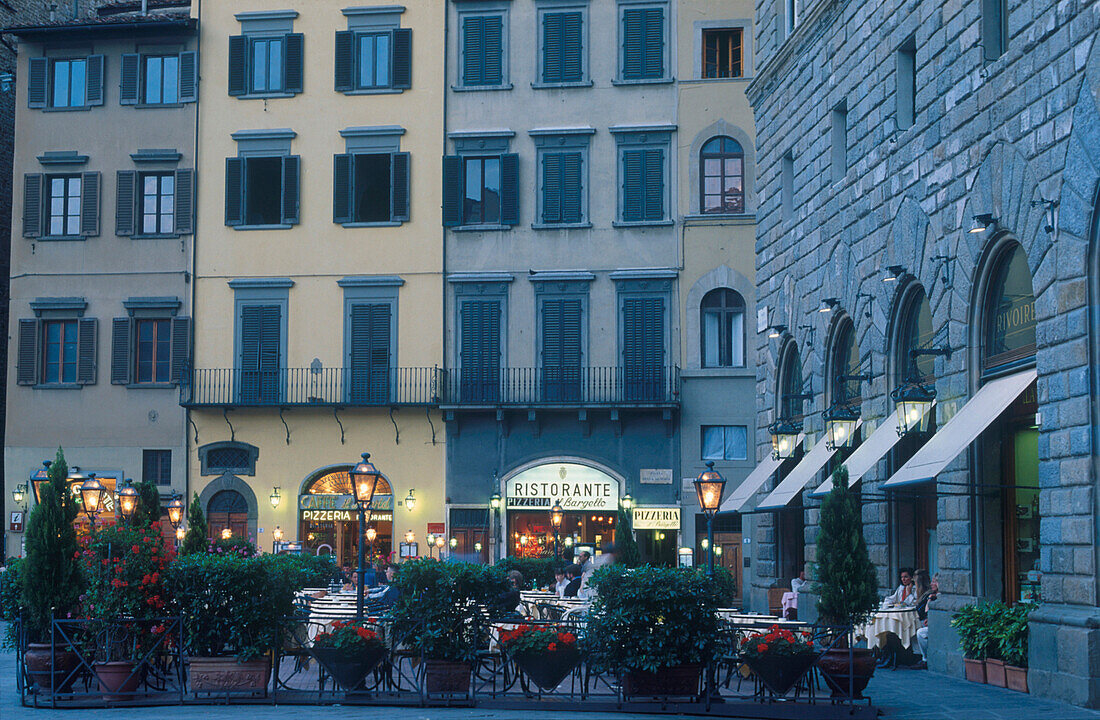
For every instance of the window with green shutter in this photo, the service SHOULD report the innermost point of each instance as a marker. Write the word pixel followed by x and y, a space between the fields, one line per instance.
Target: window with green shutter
pixel 480 350
pixel 643 184
pixel 562 188
pixel 261 353
pixel 562 47
pixel 370 188
pixel 561 340
pixel 370 348
pixel 643 347
pixel 643 43
pixel 482 50
pixel 262 191
pixel 266 64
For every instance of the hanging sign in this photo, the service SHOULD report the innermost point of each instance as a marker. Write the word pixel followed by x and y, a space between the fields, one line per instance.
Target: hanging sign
pixel 655 476
pixel 578 488
pixel 656 518
pixel 16 524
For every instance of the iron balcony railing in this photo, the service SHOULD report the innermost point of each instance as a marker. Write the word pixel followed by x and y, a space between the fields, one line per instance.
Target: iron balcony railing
pixel 566 386
pixel 311 387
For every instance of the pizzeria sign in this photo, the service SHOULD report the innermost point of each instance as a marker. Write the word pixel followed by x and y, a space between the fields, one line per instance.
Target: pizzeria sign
pixel 656 518
pixel 578 488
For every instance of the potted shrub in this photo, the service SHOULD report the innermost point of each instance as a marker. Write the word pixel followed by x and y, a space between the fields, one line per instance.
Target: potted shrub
pixel 194 541
pixel 847 587
pixel 971 623
pixel 349 651
pixel 779 657
pixel 1014 646
pixel 545 654
pixel 656 627
pixel 51 580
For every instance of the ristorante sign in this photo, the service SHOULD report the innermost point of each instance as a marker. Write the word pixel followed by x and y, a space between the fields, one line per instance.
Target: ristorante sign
pixel 578 488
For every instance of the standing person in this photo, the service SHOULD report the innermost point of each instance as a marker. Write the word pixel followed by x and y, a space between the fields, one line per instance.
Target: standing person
pixel 904 595
pixel 930 594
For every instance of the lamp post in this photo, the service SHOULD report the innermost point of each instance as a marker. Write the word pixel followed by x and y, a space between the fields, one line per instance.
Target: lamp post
pixel 175 516
pixel 128 500
pixel 430 537
pixel 556 515
pixel 364 478
pixel 709 487
pixel 276 538
pixel 92 493
pixel 494 503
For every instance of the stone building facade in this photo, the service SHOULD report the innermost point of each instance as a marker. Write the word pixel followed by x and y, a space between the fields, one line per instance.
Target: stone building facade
pixel 927 175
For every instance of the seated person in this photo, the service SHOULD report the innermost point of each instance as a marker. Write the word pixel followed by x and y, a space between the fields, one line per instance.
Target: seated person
pixel 384 596
pixel 507 602
pixel 905 594
pixel 800 583
pixel 927 597
pixel 560 581
pixel 573 586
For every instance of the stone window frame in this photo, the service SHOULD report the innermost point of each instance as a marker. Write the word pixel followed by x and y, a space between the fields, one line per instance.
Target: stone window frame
pixel 205 468
pixel 644 137
pixel 748 169
pixel 370 290
pixel 483 8
pixel 480 286
pixel 265 143
pixel 260 291
pixel 265 25
pixel 545 7
pixel 564 285
pixel 549 140
pixel 748 56
pixel 669 75
pixel 375 140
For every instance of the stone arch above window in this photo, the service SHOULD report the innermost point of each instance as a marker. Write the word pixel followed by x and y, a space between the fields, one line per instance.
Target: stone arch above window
pixel 228 482
pixel 1005 310
pixel 725 133
pixel 723 277
pixel 237 458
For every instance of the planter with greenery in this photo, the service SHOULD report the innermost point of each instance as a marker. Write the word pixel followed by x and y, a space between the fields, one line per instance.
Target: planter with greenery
pixel 545 654
pixel 627 553
pixel 657 627
pixel 51 581
pixel 974 624
pixel 779 657
pixel 349 651
pixel 847 587
pixel 1013 645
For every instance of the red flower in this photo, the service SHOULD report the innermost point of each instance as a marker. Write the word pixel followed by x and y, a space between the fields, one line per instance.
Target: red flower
pixel 552 647
pixel 135 549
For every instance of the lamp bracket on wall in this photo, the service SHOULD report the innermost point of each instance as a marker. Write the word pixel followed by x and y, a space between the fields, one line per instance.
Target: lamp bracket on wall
pixel 945 270
pixel 811 332
pixel 870 298
pixel 396 430
pixel 232 432
pixel 284 424
pixel 336 414
pixel 1051 219
pixel 191 421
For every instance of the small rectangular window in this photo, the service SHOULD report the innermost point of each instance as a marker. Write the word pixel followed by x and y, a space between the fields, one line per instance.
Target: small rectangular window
pixel 787 182
pixel 263 190
pixel 907 84
pixel 374 60
pixel 562 59
pixel 63 211
pixel 481 201
pixel 372 188
pixel 158 203
pixel 643 43
pixel 156 467
pixel 725 442
pixel 69 80
pixel 643 185
pixel 791 8
pixel 994 28
pixel 162 79
pixel 267 65
pixel 562 188
pixel 482 50
pixel 153 351
pixel 840 141
pixel 59 351
pixel 722 55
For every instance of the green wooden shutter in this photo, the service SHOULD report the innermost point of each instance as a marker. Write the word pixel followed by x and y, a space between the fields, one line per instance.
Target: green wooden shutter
pixel 643 347
pixel 654 184
pixel 189 77
pixel 551 188
pixel 633 173
pixel 120 351
pixel 238 65
pixel 552 47
pixel 129 79
pixel 633 48
pixel 126 202
pixel 654 43
pixel 472 50
pixel 86 350
pixel 89 204
pixel 38 73
pixel 572 61
pixel 480 350
pixel 452 190
pixel 251 316
pixel 402 59
pixel 234 191
pixel 399 186
pixel 181 348
pixel 293 59
pixel 344 74
pixel 493 48
pixel 185 202
pixel 292 172
pixel 261 343
pixel 571 188
pixel 341 188
pixel 26 369
pixel 509 189
pixel 561 348
pixel 93 87
pixel 370 352
pixel 32 204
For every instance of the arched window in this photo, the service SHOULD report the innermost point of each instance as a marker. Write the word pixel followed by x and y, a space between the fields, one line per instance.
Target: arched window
pixel 845 362
pixel 915 332
pixel 790 385
pixel 723 324
pixel 722 185
pixel 1008 331
pixel 227 510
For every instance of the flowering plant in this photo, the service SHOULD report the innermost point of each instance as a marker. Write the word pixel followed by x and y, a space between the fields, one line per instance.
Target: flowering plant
pixel 777 642
pixel 536 639
pixel 349 636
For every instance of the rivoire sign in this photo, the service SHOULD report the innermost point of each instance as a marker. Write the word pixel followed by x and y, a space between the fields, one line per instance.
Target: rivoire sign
pixel 578 488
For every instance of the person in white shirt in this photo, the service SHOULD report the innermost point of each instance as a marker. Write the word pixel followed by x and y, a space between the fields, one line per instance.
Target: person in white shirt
pixel 905 594
pixel 800 582
pixel 560 583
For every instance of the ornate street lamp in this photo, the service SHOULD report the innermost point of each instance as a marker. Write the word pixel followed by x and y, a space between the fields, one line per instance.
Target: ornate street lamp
pixel 840 425
pixel 556 516
pixel 227 533
pixel 477 547
pixel 453 542
pixel 128 501
pixel 410 501
pixel 92 494
pixel 19 494
pixel 175 511
pixel 913 401
pixel 275 498
pixel 276 538
pixel 430 538
pixel 784 434
pixel 180 535
pixel 709 487
pixel 39 478
pixel 495 503
pixel 364 479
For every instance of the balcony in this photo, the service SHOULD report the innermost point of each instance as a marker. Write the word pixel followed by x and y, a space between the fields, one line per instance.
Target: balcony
pixel 568 387
pixel 311 387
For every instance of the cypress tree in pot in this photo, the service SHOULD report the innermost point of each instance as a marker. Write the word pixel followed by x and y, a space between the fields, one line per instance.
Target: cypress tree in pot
pixel 847 586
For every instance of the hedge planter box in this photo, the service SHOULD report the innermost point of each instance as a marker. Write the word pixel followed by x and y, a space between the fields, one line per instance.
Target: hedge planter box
pixel 975 670
pixel 995 673
pixel 677 681
pixel 1016 678
pixel 443 677
pixel 349 670
pixel 548 669
pixel 51 670
pixel 780 673
pixel 226 675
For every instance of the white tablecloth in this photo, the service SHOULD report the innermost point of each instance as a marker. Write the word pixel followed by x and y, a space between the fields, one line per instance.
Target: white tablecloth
pixel 901 622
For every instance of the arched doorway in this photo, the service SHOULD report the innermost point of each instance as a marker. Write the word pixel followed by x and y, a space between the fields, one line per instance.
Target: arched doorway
pixel 329 518
pixel 227 510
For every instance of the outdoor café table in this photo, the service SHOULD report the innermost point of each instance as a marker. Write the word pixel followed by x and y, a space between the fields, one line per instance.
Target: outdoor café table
pixel 901 621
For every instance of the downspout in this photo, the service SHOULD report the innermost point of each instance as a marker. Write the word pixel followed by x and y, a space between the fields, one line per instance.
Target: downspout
pixel 443 228
pixel 194 242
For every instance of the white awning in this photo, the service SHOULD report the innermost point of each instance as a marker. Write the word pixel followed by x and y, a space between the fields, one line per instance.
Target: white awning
pixel 798 478
pixel 869 452
pixel 756 479
pixel 955 436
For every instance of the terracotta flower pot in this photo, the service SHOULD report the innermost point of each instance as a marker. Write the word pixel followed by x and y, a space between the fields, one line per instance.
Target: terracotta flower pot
pixel 975 670
pixel 1016 678
pixel 225 674
pixel 443 677
pixel 995 673
pixel 349 669
pixel 779 673
pixel 548 669
pixel 51 668
pixel 118 680
pixel 675 681
pixel 843 679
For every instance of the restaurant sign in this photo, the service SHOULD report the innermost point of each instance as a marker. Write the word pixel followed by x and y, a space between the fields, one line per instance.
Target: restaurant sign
pixel 317 501
pixel 343 516
pixel 656 518
pixel 578 488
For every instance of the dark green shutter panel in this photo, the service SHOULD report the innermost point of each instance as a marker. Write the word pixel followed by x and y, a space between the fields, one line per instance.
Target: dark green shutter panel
pixel 654 178
pixel 26 370
pixel 181 348
pixel 120 351
pixel 93 89
pixel 399 186
pixel 185 202
pixel 293 58
pixel 234 191
pixel 571 188
pixel 238 65
pixel 572 63
pixel 654 39
pixel 472 50
pixel 126 202
pixel 189 77
pixel 509 189
pixel 551 188
pixel 632 185
pixel 292 174
pixel 643 347
pixel 402 58
pixel 341 188
pixel 493 48
pixel 552 47
pixel 632 44
pixel 561 348
pixel 480 350
pixel 38 73
pixel 89 204
pixel 261 344
pixel 344 74
pixel 32 205
pixel 86 351
pixel 128 79
pixel 251 316
pixel 452 190
pixel 370 352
